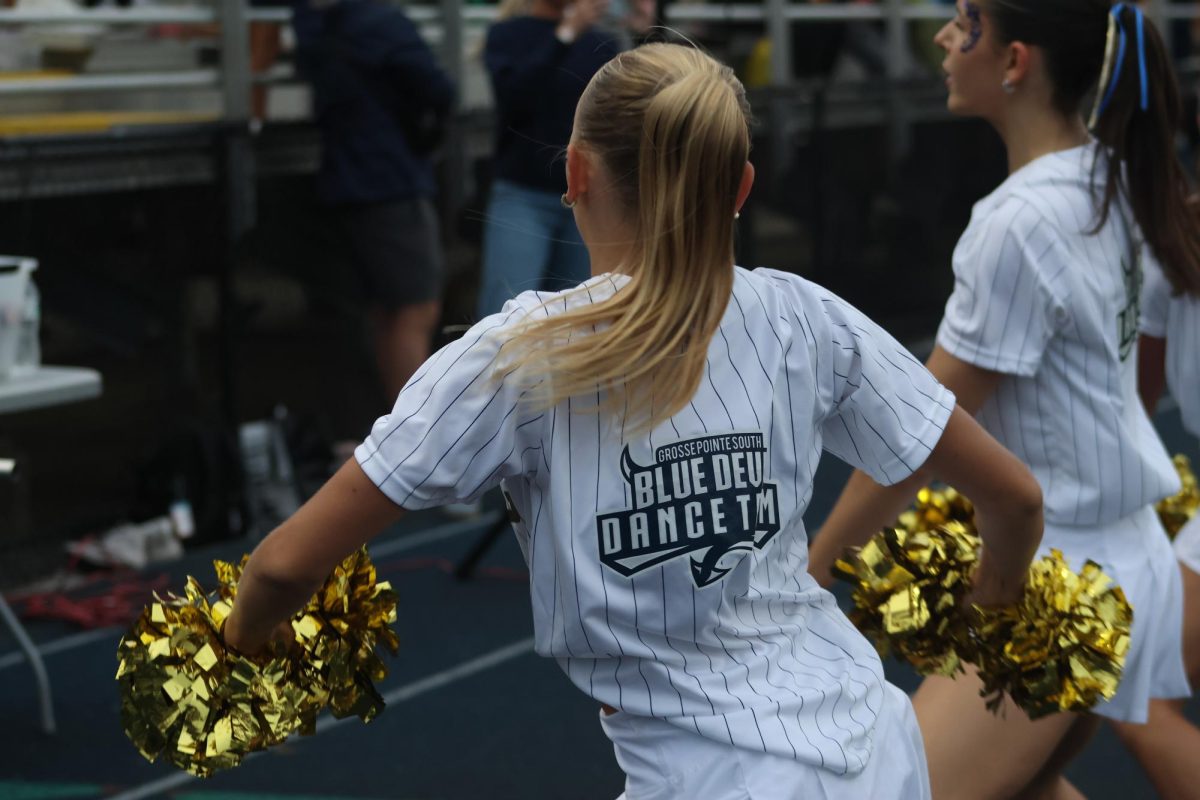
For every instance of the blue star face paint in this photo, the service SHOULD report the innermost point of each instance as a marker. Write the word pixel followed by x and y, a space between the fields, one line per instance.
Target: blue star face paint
pixel 975 31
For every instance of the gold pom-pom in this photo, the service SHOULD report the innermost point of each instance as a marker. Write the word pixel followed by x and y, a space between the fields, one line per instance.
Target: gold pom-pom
pixel 336 632
pixel 908 590
pixel 936 507
pixel 1062 647
pixel 187 698
pixel 1177 510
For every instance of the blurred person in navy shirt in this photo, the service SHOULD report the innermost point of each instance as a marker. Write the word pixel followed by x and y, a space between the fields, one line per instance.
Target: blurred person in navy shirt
pixel 381 101
pixel 540 58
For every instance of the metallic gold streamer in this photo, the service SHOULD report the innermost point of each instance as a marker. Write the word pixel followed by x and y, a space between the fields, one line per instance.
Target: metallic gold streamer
pixel 186 697
pixel 337 631
pixel 936 507
pixel 1177 510
pixel 908 589
pixel 1061 648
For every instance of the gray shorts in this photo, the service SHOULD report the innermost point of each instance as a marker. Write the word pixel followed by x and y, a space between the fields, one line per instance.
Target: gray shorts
pixel 396 250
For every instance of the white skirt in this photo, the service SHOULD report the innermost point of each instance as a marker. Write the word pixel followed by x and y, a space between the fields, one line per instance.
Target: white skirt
pixel 1187 545
pixel 1137 554
pixel 666 762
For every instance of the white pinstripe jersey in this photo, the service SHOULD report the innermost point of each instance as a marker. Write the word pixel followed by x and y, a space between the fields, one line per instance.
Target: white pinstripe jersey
pixel 1176 319
pixel 1056 309
pixel 668 569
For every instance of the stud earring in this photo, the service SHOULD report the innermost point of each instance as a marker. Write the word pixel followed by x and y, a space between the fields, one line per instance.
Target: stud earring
pixel 737 215
pixel 567 203
pixel 1008 86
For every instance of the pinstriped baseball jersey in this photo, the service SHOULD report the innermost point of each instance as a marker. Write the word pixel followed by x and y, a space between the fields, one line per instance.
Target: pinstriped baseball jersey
pixel 1056 309
pixel 668 568
pixel 1176 319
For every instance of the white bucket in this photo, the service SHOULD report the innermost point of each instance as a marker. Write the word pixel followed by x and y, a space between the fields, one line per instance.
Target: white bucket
pixel 14 276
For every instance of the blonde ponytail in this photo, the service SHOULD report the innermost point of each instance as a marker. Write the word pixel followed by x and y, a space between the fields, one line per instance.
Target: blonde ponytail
pixel 671 127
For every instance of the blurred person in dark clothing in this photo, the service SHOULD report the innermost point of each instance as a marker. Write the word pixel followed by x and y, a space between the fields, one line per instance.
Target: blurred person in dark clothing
pixel 816 46
pixel 540 59
pixel 381 101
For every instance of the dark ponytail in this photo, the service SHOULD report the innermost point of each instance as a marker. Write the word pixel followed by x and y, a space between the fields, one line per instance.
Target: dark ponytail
pixel 1143 141
pixel 1072 35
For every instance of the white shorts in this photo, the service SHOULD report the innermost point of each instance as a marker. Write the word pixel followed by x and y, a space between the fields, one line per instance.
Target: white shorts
pixel 1136 553
pixel 1187 545
pixel 666 762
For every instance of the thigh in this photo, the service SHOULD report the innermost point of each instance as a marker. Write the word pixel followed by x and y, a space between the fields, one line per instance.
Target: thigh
pixel 517 244
pixel 1050 782
pixel 973 753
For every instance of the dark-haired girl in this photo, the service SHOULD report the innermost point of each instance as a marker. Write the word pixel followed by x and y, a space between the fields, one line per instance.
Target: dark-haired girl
pixel 1039 341
pixel 1168 354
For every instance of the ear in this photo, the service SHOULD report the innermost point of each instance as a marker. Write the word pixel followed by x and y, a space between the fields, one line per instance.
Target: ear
pixel 1020 60
pixel 578 172
pixel 744 187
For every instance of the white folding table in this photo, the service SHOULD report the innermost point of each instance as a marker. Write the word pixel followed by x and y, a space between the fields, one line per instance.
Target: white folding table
pixel 46 386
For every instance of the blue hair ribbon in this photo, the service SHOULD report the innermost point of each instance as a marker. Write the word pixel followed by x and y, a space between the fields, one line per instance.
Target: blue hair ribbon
pixel 1141 42
pixel 1120 60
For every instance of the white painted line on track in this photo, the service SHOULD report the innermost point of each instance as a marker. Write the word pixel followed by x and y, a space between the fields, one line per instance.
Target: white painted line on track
pixel 397 545
pixel 440 679
pixel 60 645
pixel 398 695
pixel 447 531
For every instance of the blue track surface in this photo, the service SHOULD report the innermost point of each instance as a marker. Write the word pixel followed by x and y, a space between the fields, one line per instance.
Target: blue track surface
pixel 474 714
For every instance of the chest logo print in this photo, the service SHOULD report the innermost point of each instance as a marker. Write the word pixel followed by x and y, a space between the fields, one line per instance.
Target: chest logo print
pixel 1128 318
pixel 705 499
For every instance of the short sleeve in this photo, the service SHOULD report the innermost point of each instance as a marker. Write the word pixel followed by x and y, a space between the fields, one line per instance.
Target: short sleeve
pixel 883 412
pixel 1156 299
pixel 1009 297
pixel 459 427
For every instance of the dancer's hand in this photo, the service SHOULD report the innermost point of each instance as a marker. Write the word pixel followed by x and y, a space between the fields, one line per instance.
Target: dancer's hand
pixel 282 638
pixel 991 588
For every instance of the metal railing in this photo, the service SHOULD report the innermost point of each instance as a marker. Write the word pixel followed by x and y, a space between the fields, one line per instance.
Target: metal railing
pixel 453 16
pixel 454 26
pixel 183 79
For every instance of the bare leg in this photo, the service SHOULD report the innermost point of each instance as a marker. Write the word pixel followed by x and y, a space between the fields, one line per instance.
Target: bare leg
pixel 1050 783
pixel 979 755
pixel 1060 789
pixel 1166 747
pixel 402 342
